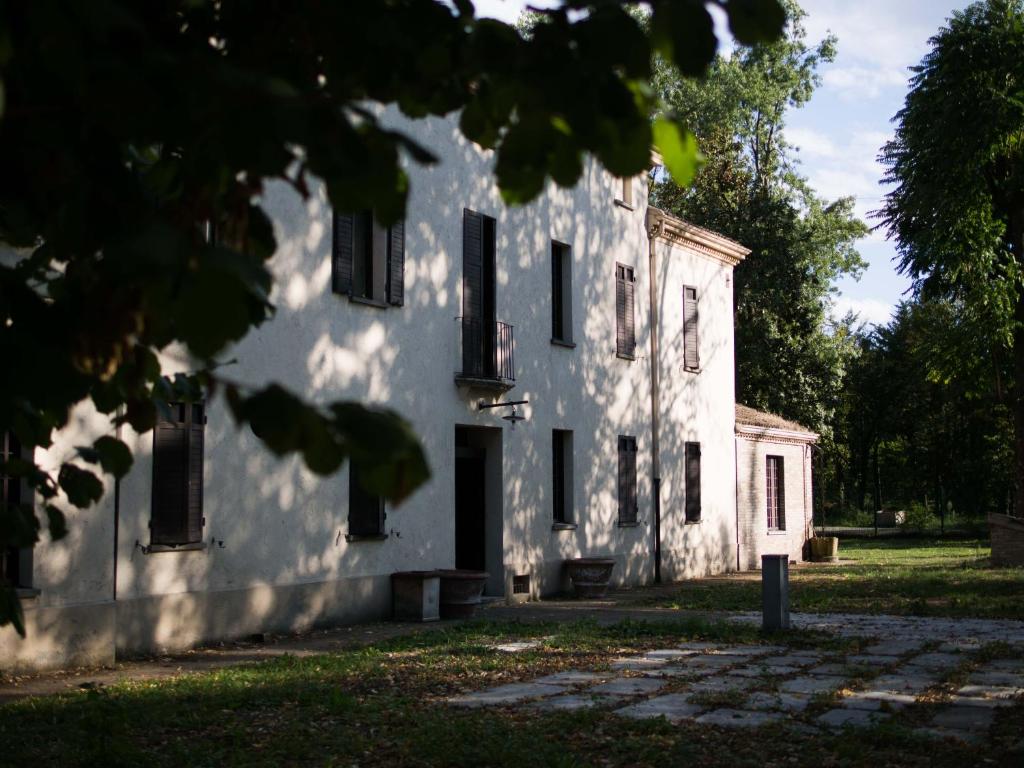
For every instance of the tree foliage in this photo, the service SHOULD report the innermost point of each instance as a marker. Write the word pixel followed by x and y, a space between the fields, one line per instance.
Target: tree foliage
pixel 129 129
pixel 790 358
pixel 956 210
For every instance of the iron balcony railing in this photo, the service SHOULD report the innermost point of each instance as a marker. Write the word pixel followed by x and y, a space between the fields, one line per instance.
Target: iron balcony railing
pixel 487 350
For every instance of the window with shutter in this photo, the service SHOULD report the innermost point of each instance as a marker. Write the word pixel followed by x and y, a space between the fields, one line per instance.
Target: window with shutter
pixel 561 292
pixel 15 562
pixel 692 460
pixel 625 331
pixel 178 447
pixel 775 492
pixel 562 473
pixel 365 510
pixel 628 506
pixel 691 345
pixel 368 259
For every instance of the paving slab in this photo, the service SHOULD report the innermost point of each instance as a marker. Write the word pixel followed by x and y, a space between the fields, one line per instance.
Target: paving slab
pixel 766 671
pixel 950 733
pixel 894 700
pixel 572 677
pixel 669 654
pixel 989 691
pixel 1006 665
pixel 965 646
pixel 981 701
pixel 628 686
pixel 723 683
pixel 793 659
pixel 894 647
pixel 571 702
pixel 811 685
pixel 850 718
pixel 739 718
pixel 751 650
pixel 638 663
pixel 717 661
pixel 937 661
pixel 702 647
pixel 517 647
pixel 513 693
pixel 964 718
pixel 788 702
pixel 872 660
pixel 914 683
pixel 674 670
pixel 832 669
pixel 997 677
pixel 674 707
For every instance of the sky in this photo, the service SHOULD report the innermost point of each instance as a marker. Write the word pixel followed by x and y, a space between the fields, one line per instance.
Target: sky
pixel 839 133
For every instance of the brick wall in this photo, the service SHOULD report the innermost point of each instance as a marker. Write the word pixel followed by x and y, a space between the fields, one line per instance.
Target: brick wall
pixel 752 504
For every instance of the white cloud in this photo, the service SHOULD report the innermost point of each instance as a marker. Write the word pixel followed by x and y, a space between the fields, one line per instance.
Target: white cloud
pixel 853 83
pixel 873 311
pixel 811 143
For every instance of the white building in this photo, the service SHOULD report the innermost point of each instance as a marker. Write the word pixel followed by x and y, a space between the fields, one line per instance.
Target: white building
pixel 468 302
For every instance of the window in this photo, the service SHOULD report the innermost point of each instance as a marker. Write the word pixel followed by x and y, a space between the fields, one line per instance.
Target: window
pixel 692 459
pixel 15 562
pixel 775 480
pixel 177 511
pixel 561 292
pixel 368 261
pixel 625 331
pixel 626 193
pixel 561 476
pixel 691 347
pixel 365 511
pixel 628 506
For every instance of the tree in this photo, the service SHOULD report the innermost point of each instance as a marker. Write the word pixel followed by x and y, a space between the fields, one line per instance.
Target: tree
pixel 750 190
pixel 957 163
pixel 130 130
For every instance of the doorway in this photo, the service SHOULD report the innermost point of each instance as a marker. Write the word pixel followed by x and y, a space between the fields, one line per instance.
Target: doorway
pixel 478 508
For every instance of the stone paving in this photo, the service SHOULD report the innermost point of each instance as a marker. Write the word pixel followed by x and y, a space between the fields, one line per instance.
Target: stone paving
pixel 927 674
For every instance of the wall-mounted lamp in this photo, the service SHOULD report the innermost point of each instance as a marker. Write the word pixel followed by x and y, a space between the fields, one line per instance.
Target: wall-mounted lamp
pixel 512 417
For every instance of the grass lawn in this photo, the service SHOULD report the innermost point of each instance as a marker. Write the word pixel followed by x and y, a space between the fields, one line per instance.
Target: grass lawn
pixel 916 577
pixel 381 706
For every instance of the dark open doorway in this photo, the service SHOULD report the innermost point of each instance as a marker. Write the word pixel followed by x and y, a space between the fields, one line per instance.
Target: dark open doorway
pixel 478 515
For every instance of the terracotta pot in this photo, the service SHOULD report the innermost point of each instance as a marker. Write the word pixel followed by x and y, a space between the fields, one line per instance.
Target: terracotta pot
pixel 590 575
pixel 461 592
pixel 414 595
pixel 825 549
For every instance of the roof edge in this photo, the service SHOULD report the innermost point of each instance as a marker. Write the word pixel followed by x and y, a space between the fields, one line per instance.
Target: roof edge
pixel 671 229
pixel 774 434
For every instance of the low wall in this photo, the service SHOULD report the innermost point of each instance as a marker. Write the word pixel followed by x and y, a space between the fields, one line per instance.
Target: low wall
pixel 1007 539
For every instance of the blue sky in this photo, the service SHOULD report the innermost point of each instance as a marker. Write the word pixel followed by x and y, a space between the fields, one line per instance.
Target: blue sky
pixel 840 132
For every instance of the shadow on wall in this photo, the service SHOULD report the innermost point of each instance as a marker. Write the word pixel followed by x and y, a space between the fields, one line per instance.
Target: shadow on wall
pixel 276 556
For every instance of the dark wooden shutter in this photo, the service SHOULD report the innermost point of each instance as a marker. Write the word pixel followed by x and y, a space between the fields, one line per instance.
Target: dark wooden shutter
pixel 396 264
pixel 557 317
pixel 196 445
pixel 625 332
pixel 627 480
pixel 341 259
pixel 691 348
pixel 692 482
pixel 168 523
pixel 365 511
pixel 472 293
pixel 558 474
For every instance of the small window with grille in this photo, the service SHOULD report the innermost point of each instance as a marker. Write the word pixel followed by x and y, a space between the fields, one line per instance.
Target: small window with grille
pixel 776 494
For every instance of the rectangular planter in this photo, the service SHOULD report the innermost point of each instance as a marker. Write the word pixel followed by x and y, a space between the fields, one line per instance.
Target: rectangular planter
pixel 415 595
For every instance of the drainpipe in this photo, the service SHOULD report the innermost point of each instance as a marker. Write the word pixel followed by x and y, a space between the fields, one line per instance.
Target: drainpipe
pixel 117 510
pixel 652 235
pixel 735 494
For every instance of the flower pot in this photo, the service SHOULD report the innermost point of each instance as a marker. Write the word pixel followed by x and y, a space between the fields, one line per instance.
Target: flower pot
pixel 415 595
pixel 460 593
pixel 825 549
pixel 590 575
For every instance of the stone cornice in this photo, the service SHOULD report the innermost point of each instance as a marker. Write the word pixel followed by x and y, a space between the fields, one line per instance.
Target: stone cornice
pixel 671 229
pixel 774 435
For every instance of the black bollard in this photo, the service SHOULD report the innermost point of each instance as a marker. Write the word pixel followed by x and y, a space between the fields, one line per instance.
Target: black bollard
pixel 775 592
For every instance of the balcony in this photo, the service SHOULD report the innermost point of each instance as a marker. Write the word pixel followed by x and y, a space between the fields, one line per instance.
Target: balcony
pixel 487 355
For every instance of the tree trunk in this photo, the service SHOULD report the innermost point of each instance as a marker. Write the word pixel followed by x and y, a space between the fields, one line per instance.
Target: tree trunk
pixel 1016 236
